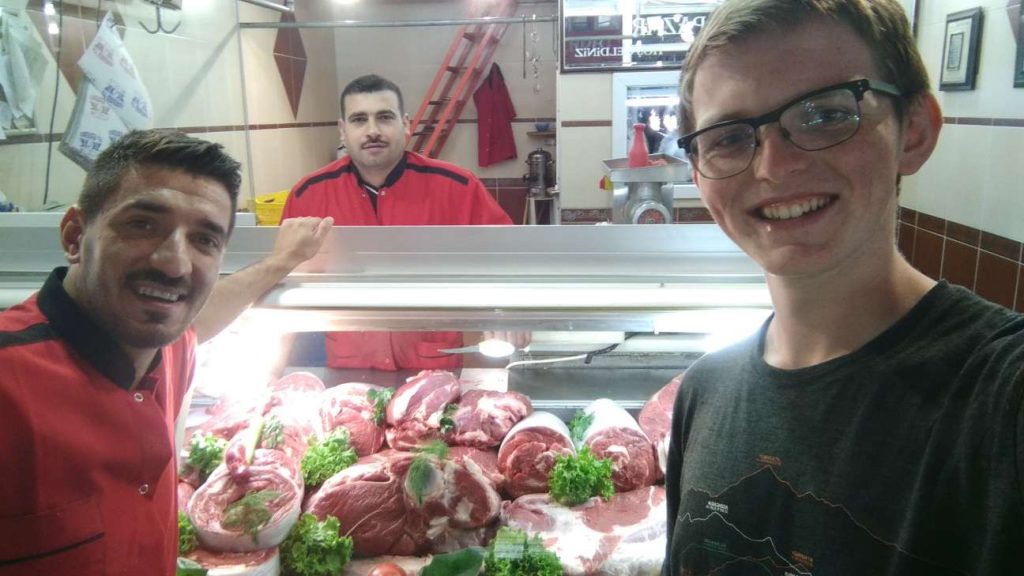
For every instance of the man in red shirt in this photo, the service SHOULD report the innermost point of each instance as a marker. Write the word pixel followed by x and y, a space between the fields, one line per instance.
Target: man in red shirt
pixel 379 183
pixel 96 364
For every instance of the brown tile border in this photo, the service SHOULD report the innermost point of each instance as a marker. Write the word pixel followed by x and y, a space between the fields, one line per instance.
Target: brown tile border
pixel 928 253
pixel 692 215
pixel 959 263
pixel 1019 307
pixel 57 136
pixel 586 215
pixel 991 265
pixel 510 182
pixel 31 139
pixel 1002 246
pixel 909 216
pixel 971 121
pixel 997 279
pixel 980 121
pixel 586 123
pixel 965 234
pixel 931 223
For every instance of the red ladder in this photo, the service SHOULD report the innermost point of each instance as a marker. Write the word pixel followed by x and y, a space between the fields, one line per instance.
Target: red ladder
pixel 468 56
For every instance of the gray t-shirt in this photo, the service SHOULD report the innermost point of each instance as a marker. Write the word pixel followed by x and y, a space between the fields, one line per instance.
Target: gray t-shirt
pixel 904 457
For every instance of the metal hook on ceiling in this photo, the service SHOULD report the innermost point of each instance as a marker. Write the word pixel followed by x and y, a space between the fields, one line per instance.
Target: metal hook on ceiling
pixel 159 22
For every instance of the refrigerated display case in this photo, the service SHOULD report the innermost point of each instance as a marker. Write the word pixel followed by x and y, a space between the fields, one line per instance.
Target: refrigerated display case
pixel 614 311
pixel 662 297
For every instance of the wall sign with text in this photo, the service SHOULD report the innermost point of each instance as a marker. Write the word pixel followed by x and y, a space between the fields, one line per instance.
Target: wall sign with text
pixel 599 35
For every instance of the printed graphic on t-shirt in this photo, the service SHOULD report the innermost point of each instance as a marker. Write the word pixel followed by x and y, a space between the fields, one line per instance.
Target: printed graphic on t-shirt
pixel 762 524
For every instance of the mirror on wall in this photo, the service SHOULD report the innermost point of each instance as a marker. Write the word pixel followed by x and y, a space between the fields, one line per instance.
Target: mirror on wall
pixel 629 34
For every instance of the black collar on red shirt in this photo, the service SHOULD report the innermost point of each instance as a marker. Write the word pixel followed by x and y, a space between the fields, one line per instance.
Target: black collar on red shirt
pixel 90 341
pixel 393 176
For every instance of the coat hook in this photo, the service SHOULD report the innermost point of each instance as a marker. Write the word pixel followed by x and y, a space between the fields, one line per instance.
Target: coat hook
pixel 159 23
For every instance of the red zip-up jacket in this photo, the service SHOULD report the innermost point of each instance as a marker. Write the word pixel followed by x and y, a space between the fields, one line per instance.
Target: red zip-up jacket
pixel 418 192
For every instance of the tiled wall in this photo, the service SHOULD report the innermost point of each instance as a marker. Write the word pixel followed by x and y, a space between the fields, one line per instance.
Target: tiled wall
pixel 511 194
pixel 990 265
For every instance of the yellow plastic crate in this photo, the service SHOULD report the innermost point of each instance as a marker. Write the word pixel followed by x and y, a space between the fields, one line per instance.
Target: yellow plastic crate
pixel 269 208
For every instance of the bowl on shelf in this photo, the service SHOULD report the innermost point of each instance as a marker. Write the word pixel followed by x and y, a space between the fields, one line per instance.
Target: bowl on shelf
pixel 542 126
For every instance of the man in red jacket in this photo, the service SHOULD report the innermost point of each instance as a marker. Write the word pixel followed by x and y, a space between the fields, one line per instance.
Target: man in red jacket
pixel 379 183
pixel 95 365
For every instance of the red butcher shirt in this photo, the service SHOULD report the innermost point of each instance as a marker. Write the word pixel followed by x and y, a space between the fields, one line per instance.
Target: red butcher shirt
pixel 418 192
pixel 88 475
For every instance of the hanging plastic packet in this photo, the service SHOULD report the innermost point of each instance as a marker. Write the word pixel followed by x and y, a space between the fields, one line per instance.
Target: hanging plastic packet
pixel 110 69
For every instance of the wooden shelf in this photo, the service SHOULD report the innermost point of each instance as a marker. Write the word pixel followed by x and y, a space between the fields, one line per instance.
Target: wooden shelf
pixel 549 134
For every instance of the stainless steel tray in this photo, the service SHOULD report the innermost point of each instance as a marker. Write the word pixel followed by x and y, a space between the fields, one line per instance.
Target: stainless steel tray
pixel 673 170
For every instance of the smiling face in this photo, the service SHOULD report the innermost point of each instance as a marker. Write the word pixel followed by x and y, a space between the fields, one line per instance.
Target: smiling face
pixel 374 131
pixel 801 213
pixel 143 267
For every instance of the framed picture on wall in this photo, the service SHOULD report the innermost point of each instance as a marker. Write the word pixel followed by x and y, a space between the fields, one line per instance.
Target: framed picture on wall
pixel 1018 76
pixel 960 50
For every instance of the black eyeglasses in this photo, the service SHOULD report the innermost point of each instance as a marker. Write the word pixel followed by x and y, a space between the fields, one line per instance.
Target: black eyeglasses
pixel 817 120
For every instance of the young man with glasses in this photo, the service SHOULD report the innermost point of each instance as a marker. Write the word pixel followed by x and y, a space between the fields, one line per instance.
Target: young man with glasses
pixel 874 424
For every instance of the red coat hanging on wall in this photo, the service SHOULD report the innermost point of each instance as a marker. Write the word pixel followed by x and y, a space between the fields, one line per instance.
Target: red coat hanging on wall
pixel 495 112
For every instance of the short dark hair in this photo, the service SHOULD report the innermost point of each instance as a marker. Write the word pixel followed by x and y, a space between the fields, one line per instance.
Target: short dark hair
pixel 881 24
pixel 158 148
pixel 371 83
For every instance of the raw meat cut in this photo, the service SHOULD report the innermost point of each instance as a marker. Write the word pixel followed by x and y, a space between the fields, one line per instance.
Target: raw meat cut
pixel 375 505
pixel 264 562
pixel 369 501
pixel 484 417
pixel 229 416
pixel 615 435
pixel 296 383
pixel 486 460
pixel 625 536
pixel 655 419
pixel 299 392
pixel 295 400
pixel 528 452
pixel 293 441
pixel 415 411
pixel 348 405
pixel 271 470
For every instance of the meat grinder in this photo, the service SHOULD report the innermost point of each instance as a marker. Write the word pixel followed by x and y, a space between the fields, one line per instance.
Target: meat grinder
pixel 644 195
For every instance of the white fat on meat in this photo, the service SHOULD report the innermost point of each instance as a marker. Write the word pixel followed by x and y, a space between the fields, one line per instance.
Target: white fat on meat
pixel 625 536
pixel 266 562
pixel 485 417
pixel 614 434
pixel 294 441
pixel 414 412
pixel 528 452
pixel 656 419
pixel 270 470
pixel 348 405
pixel 469 497
pixel 486 461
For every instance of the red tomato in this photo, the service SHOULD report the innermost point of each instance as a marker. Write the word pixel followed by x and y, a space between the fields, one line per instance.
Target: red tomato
pixel 387 569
